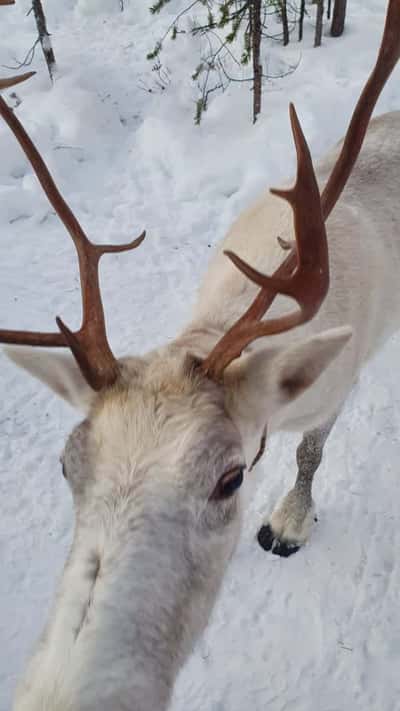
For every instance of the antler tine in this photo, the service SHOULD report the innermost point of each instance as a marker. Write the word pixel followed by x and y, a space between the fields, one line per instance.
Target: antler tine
pixel 388 56
pixel 11 81
pixel 89 344
pixel 308 284
pixel 312 249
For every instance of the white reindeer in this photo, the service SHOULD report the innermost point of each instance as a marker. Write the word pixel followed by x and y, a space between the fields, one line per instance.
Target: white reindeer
pixel 156 466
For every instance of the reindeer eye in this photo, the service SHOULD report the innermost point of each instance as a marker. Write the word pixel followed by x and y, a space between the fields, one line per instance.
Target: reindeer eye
pixel 228 484
pixel 63 468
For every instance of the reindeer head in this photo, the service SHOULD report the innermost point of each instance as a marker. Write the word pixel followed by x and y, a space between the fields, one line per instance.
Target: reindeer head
pixel 155 471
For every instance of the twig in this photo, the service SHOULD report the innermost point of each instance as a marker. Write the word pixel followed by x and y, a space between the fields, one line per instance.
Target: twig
pixel 44 37
pixel 25 62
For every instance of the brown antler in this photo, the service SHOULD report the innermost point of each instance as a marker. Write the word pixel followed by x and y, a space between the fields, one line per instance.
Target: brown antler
pixel 308 284
pixel 10 81
pixel 248 328
pixel 388 56
pixel 89 344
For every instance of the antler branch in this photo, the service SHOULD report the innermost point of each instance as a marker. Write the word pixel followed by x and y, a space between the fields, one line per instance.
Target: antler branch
pixel 307 285
pixel 388 56
pixel 89 344
pixel 11 81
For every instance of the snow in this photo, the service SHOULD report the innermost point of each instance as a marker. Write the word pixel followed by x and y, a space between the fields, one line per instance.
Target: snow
pixel 321 629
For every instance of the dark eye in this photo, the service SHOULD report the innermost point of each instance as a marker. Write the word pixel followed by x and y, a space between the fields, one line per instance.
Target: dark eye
pixel 228 484
pixel 64 471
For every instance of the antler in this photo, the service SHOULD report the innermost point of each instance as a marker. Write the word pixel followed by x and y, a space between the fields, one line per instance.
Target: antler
pixel 388 56
pixel 10 81
pixel 286 279
pixel 89 344
pixel 309 283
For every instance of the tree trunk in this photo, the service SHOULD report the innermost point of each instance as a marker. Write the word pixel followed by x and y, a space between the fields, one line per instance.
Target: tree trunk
pixel 301 18
pixel 284 18
pixel 256 29
pixel 328 12
pixel 44 36
pixel 319 24
pixel 339 16
pixel 7 2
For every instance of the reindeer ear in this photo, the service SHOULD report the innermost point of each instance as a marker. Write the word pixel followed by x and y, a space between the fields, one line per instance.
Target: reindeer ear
pixel 58 371
pixel 260 384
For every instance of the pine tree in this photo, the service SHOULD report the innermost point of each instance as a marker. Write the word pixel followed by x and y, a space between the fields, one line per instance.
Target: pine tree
pixel 44 37
pixel 237 21
pixel 255 34
pixel 319 24
pixel 227 25
pixel 302 13
pixel 285 24
pixel 338 19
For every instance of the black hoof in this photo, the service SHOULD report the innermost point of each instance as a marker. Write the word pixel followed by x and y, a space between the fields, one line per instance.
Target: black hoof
pixel 268 542
pixel 265 537
pixel 284 549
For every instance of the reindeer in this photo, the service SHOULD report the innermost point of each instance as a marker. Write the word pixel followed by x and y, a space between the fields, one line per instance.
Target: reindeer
pixel 156 466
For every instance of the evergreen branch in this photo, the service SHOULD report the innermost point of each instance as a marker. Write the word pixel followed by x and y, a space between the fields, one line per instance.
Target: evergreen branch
pixel 158 47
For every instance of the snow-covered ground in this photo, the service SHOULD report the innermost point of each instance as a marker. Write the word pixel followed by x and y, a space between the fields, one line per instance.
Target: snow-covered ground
pixel 321 630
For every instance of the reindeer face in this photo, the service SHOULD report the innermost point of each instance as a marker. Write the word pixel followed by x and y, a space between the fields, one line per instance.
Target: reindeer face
pixel 155 471
pixel 152 440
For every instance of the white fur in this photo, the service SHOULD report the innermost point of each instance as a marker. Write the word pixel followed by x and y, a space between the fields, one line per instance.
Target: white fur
pixel 291 522
pixel 364 248
pixel 151 545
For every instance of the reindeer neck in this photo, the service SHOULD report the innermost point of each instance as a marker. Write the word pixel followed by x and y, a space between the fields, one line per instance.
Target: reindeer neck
pixel 199 338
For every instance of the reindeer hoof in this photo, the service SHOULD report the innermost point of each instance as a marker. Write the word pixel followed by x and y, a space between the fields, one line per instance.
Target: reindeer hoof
pixel 285 549
pixel 268 542
pixel 265 537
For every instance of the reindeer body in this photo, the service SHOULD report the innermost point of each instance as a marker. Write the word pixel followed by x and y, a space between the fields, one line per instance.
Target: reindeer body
pixel 364 251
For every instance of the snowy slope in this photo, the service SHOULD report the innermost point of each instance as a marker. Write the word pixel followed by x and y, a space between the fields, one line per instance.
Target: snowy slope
pixel 320 630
